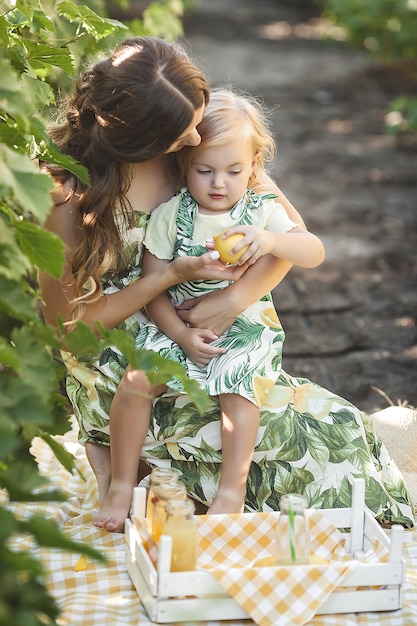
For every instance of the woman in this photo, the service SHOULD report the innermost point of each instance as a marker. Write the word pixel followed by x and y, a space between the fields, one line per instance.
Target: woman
pixel 127 115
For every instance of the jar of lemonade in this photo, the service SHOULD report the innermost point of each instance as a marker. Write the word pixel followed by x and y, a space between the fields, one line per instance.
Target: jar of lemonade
pixel 292 542
pixel 158 476
pixel 163 493
pixel 180 526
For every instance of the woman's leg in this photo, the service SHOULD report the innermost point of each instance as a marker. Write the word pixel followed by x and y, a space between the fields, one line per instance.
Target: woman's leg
pixel 129 422
pixel 239 429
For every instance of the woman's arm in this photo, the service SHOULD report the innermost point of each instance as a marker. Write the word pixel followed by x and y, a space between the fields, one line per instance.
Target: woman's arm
pixel 112 309
pixel 218 310
pixel 265 184
pixel 160 310
pixel 194 342
pixel 298 245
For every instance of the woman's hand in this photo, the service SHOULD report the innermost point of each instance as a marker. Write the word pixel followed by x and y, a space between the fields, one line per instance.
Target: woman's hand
pixel 219 309
pixel 205 267
pixel 215 311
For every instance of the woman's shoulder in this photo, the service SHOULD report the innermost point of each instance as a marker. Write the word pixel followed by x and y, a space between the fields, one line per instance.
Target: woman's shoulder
pixel 63 216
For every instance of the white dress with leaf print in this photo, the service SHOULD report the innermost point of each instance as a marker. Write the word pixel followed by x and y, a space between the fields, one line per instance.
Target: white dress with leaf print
pixel 252 363
pixel 310 441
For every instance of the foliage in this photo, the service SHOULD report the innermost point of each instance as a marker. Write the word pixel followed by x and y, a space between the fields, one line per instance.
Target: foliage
pixel 403 115
pixel 386 29
pixel 43 46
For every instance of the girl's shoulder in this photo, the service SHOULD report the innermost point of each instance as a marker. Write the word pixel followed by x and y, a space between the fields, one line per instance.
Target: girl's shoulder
pixel 167 209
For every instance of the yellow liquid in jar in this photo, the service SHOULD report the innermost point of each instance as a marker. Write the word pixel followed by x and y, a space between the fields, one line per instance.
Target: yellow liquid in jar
pixel 150 508
pixel 184 544
pixel 158 523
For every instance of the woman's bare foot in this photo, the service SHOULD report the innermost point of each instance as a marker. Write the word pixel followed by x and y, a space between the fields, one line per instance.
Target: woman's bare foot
pixel 99 458
pixel 115 508
pixel 227 501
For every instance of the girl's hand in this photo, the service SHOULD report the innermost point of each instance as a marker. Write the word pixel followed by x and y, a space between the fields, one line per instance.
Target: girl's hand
pixel 195 342
pixel 257 241
pixel 205 267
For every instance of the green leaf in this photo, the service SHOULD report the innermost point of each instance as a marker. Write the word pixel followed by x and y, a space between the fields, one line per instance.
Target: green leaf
pixel 44 249
pixel 164 19
pixel 8 433
pixel 82 340
pixel 36 92
pixel 30 188
pixel 42 21
pixel 90 22
pixel 13 264
pixel 15 302
pixel 8 356
pixel 47 151
pixel 4 30
pixel 25 484
pixel 40 55
pixel 47 533
pixel 64 457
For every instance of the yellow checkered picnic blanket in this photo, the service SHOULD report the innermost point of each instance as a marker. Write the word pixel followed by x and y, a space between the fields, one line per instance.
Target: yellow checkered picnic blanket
pixel 104 594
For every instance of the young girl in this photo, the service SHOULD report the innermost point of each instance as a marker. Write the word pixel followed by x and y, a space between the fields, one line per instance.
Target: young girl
pixel 240 366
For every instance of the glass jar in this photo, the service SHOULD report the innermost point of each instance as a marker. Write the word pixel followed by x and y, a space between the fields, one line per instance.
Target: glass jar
pixel 292 542
pixel 163 493
pixel 158 476
pixel 180 526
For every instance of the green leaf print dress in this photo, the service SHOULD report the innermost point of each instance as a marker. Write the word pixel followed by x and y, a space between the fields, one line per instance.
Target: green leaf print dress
pixel 310 440
pixel 252 363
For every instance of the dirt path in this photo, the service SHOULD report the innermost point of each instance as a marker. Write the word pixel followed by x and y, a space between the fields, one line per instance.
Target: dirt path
pixel 350 324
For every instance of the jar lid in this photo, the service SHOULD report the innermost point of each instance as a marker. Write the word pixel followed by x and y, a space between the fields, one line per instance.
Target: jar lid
pixel 183 507
pixel 170 490
pixel 294 501
pixel 164 474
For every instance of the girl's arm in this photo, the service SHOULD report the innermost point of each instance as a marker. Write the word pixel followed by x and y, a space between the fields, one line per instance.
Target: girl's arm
pixel 112 309
pixel 160 310
pixel 297 245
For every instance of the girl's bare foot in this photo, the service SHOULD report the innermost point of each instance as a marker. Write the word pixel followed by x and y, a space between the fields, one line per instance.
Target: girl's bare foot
pixel 115 508
pixel 227 501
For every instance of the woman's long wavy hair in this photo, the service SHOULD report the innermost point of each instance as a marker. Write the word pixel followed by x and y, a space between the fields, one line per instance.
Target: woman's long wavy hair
pixel 128 108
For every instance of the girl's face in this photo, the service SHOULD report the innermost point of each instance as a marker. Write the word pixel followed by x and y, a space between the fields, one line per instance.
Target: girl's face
pixel 190 136
pixel 219 175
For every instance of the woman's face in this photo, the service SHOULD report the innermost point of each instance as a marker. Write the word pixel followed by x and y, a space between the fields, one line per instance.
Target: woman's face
pixel 190 136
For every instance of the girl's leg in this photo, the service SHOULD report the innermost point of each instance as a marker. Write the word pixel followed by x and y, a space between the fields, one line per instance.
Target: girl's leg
pixel 98 456
pixel 129 422
pixel 239 429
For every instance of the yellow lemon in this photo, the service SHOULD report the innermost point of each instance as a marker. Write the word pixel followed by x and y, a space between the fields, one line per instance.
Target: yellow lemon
pixel 223 247
pixel 81 564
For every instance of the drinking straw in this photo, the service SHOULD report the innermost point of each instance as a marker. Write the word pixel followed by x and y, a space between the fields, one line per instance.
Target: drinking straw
pixel 292 530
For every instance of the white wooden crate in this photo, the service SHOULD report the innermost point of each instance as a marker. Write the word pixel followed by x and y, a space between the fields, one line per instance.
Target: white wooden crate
pixel 192 596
